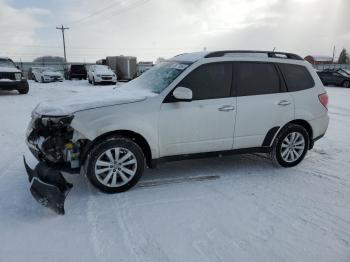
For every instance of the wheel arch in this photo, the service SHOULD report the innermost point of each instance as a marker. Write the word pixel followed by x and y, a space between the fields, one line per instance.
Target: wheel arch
pixel 136 137
pixel 302 123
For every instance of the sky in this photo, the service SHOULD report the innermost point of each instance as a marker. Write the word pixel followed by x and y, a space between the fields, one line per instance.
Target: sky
pixel 149 29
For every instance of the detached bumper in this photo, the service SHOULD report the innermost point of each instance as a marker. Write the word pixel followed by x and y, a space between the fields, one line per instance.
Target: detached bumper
pixel 48 186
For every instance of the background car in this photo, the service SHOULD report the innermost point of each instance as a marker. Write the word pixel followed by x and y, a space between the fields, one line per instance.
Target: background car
pixel 11 77
pixel 98 74
pixel 75 71
pixel 46 75
pixel 337 77
pixel 30 75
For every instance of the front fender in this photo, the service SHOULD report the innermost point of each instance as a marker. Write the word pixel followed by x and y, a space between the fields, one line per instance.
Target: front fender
pixel 94 123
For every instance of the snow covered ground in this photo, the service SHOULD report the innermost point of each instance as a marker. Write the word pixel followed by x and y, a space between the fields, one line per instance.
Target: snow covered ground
pixel 236 208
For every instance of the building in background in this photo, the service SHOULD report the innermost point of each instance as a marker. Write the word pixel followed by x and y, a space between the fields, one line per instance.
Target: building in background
pixel 319 60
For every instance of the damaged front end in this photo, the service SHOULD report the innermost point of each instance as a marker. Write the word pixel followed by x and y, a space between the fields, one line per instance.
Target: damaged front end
pixel 51 141
pixel 48 186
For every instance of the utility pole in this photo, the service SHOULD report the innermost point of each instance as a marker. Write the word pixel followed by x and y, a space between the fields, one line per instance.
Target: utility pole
pixel 333 54
pixel 64 41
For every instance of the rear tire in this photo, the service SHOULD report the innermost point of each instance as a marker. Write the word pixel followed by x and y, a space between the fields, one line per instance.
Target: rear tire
pixel 290 146
pixel 115 165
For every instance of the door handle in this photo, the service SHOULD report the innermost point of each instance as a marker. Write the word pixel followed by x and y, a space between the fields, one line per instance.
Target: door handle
pixel 226 108
pixel 284 103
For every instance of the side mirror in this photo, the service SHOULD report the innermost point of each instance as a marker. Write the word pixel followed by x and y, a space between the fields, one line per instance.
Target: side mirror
pixel 183 94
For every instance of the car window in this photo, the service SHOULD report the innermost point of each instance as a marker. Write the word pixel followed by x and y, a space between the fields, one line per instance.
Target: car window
pixel 297 77
pixel 255 78
pixel 209 81
pixel 6 63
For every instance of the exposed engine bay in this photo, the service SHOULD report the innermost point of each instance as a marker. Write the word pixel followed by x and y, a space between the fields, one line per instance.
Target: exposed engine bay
pixel 51 140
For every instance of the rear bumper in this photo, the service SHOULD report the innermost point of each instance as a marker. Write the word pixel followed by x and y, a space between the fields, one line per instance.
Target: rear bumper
pixel 13 85
pixel 77 75
pixel 319 126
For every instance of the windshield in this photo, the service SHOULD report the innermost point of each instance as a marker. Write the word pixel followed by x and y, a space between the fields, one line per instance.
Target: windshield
pixel 6 63
pixel 100 67
pixel 344 73
pixel 50 69
pixel 161 76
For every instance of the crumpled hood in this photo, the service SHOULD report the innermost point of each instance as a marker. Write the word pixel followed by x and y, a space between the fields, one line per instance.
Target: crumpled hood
pixel 6 69
pixel 92 98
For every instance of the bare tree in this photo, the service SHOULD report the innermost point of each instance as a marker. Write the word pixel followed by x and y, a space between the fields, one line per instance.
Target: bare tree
pixel 343 57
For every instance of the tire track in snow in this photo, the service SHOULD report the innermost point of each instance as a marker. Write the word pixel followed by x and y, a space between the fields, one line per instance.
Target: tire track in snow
pixel 139 245
pixel 144 248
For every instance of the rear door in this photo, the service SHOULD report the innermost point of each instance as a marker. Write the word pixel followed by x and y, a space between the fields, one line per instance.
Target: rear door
pixel 262 103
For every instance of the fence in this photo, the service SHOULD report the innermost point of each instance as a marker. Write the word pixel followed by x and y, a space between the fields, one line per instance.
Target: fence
pixel 332 66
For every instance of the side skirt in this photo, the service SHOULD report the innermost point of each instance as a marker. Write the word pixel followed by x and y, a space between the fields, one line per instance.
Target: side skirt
pixel 155 162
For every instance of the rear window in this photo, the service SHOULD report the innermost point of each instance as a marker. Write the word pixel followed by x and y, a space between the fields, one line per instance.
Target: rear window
pixel 297 77
pixel 78 67
pixel 255 78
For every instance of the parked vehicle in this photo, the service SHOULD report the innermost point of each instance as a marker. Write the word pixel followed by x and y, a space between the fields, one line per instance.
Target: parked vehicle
pixel 337 77
pixel 193 105
pixel 77 71
pixel 101 74
pixel 125 67
pixel 46 75
pixel 11 77
pixel 30 75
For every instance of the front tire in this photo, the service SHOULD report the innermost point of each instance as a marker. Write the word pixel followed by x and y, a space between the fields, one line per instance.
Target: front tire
pixel 25 89
pixel 290 146
pixel 115 165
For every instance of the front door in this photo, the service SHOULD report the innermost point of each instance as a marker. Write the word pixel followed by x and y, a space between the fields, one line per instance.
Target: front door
pixel 205 124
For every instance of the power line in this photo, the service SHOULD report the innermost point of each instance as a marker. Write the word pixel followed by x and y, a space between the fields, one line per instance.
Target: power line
pixel 109 8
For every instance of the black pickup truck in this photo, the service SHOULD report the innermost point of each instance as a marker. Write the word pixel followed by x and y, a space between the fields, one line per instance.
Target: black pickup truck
pixel 11 78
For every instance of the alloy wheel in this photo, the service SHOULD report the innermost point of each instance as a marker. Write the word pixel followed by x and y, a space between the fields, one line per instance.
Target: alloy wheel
pixel 115 167
pixel 292 147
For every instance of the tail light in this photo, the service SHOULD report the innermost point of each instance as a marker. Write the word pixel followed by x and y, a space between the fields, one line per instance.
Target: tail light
pixel 324 99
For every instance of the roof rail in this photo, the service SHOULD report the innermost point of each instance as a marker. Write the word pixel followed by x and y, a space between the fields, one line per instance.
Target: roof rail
pixel 270 54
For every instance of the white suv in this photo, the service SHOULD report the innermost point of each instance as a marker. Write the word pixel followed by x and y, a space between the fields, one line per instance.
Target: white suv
pixel 193 105
pixel 99 74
